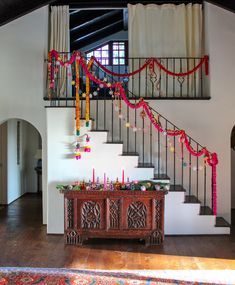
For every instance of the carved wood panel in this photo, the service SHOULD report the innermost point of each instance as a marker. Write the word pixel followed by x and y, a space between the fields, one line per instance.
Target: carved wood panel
pixel 114 214
pixel 158 213
pixel 137 215
pixel 90 215
pixel 70 212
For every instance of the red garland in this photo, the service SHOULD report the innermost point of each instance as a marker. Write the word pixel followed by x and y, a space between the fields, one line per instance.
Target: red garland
pixel 150 61
pixel 147 62
pixel 211 158
pixel 182 74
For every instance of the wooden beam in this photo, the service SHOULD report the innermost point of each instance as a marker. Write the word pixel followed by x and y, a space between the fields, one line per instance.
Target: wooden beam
pixel 95 26
pixel 11 10
pixel 117 3
pixel 92 38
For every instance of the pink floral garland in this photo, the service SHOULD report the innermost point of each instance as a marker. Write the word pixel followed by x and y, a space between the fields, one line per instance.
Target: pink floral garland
pixel 149 61
pixel 211 158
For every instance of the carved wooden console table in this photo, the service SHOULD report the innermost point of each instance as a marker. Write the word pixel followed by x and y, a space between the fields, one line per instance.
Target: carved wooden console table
pixel 114 214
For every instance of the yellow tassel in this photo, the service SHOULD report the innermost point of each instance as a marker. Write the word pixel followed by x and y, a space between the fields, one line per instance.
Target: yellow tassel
pixel 89 65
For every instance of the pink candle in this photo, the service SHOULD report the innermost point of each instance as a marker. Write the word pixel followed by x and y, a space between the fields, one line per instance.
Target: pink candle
pixel 93 175
pixel 123 178
pixel 105 182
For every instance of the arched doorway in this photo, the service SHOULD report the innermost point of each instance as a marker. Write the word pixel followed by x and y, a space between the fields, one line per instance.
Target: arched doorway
pixel 20 160
pixel 233 176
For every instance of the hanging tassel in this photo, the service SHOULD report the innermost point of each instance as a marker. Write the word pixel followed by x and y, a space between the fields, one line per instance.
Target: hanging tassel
pixel 88 93
pixel 77 87
pixel 77 154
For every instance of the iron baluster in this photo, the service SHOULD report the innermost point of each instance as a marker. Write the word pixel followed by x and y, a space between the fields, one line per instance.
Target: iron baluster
pixel 166 148
pixel 151 143
pixel 174 179
pixel 205 184
pixel 143 138
pixel 195 79
pixel 167 79
pixel 190 170
pixel 197 173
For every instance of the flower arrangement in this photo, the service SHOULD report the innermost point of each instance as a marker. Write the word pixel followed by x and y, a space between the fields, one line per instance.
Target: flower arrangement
pixel 143 185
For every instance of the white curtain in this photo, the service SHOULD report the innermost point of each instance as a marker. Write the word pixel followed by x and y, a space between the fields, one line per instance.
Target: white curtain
pixel 60 41
pixel 165 31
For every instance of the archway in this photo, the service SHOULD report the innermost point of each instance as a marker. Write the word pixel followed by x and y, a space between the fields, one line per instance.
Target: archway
pixel 20 160
pixel 233 175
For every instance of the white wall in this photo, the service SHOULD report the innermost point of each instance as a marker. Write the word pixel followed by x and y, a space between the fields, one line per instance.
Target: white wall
pixel 211 122
pixel 63 168
pixel 23 48
pixel 233 178
pixel 3 163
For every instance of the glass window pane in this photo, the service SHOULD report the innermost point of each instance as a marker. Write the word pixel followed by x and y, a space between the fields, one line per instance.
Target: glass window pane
pixel 97 53
pixel 106 47
pixel 122 61
pixel 89 54
pixel 115 53
pixel 115 61
pixel 105 53
pixel 121 53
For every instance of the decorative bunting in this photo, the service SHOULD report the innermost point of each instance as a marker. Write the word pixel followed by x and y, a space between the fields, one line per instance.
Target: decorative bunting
pixel 88 93
pixel 211 158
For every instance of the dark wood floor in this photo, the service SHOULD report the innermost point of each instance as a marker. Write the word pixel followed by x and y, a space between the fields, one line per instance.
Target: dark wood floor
pixel 24 242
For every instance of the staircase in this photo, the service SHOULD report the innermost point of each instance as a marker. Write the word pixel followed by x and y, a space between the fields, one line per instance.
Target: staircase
pixel 125 138
pixel 184 213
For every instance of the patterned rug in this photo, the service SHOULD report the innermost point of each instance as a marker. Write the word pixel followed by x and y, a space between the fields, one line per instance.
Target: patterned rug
pixel 39 276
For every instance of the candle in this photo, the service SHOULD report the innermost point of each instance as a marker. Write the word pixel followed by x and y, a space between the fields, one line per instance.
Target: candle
pixel 104 181
pixel 123 177
pixel 93 175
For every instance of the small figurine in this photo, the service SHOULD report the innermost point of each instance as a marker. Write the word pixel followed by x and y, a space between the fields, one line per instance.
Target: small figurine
pixel 107 184
pixel 128 184
pixel 157 187
pixel 143 188
pixel 117 185
pixel 83 185
pixel 132 186
pixel 98 183
pixel 111 187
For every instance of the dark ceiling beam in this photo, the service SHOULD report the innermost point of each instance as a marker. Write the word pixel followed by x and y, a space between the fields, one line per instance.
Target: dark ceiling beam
pixel 95 20
pixel 228 5
pixel 82 16
pixel 99 31
pixel 13 9
pixel 111 29
pixel 125 19
pixel 95 26
pixel 117 3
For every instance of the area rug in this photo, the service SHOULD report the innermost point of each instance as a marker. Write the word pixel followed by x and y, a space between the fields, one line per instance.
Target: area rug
pixel 39 276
